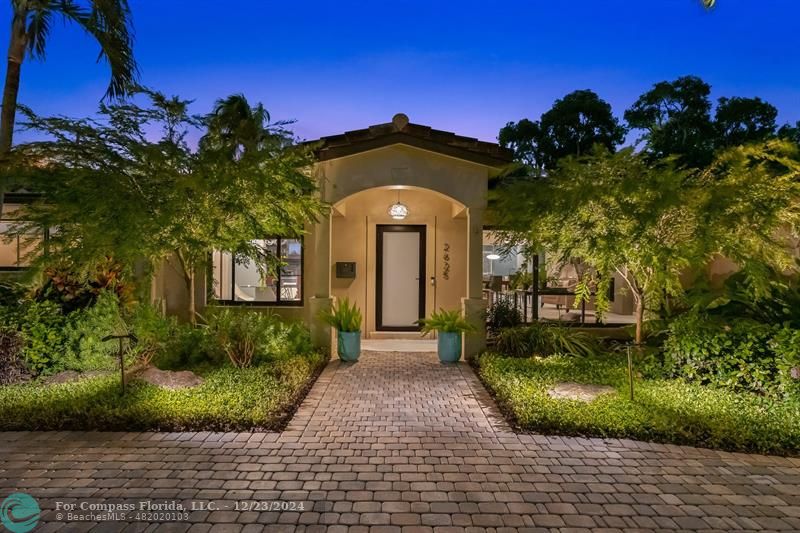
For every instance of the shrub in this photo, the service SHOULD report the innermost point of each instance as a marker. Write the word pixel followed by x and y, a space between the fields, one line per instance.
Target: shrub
pixel 153 332
pixel 541 338
pixel 786 345
pixel 502 314
pixel 85 330
pixel 288 339
pixel 734 354
pixel 12 367
pixel 187 346
pixel 43 330
pixel 242 335
pixel 73 291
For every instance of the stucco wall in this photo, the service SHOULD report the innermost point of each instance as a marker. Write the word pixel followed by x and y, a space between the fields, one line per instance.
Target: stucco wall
pixel 354 239
pixel 460 180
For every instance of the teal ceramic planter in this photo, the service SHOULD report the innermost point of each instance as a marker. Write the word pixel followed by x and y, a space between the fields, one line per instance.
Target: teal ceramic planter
pixel 449 345
pixel 349 345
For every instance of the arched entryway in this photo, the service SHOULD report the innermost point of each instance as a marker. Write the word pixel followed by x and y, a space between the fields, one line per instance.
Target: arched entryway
pixel 399 270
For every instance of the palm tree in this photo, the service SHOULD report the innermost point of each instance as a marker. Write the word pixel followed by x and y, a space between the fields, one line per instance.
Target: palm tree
pixel 107 21
pixel 235 128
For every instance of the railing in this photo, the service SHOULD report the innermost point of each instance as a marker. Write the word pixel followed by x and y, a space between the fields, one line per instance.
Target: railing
pixel 527 301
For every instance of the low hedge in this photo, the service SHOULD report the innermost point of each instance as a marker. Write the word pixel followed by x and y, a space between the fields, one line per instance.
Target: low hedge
pixel 230 399
pixel 738 354
pixel 664 410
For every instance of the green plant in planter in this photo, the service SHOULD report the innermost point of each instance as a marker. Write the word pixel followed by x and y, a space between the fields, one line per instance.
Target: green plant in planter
pixel 450 325
pixel 346 318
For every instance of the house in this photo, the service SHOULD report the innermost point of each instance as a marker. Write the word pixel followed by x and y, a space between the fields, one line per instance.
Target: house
pixel 404 235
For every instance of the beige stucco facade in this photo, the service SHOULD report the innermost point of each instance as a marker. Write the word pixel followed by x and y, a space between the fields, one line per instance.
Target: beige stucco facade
pixel 443 180
pixel 445 194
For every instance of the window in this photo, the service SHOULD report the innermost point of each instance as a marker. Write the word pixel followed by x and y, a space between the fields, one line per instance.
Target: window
pixel 237 281
pixel 13 250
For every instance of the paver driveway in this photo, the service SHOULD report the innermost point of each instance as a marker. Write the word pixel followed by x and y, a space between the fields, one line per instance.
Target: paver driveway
pixel 398 440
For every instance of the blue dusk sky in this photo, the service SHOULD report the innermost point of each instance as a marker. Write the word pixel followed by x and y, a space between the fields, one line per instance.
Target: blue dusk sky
pixel 464 66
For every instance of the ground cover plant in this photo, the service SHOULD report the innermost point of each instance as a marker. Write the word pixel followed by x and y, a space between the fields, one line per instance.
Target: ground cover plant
pixel 663 410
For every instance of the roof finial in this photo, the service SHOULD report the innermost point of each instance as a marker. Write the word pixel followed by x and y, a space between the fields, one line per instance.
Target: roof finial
pixel 400 121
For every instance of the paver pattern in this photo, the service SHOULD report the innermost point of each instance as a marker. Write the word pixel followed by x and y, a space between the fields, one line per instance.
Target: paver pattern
pixel 398 442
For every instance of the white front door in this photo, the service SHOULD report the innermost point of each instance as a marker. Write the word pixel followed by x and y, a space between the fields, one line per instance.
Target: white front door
pixel 401 277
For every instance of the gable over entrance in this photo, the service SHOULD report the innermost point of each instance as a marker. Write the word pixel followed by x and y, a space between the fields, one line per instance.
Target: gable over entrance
pixel 442 181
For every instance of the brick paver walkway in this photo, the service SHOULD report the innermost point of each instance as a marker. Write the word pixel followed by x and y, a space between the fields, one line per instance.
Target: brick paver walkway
pixel 400 441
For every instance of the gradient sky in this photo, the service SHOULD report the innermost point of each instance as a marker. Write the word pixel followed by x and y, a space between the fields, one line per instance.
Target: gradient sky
pixel 467 66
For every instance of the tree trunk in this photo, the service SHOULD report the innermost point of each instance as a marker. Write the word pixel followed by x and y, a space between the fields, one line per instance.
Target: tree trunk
pixel 639 318
pixel 192 303
pixel 16 55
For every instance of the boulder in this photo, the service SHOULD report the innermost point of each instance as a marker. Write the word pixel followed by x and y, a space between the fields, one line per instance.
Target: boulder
pixel 578 391
pixel 68 376
pixel 169 379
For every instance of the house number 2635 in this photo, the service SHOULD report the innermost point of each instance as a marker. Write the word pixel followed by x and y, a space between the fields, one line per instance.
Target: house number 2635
pixel 446 265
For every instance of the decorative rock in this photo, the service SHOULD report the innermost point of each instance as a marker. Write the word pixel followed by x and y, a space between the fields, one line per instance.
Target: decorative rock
pixel 578 391
pixel 167 379
pixel 68 376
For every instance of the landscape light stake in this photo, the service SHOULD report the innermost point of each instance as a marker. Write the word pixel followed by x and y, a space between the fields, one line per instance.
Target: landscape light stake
pixel 121 355
pixel 630 371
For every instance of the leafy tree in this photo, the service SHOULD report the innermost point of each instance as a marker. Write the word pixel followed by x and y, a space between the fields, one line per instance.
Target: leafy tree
pixel 577 123
pixel 676 120
pixel 744 120
pixel 523 139
pixel 107 21
pixel 110 191
pixel 234 127
pixel 573 126
pixel 790 133
pixel 651 223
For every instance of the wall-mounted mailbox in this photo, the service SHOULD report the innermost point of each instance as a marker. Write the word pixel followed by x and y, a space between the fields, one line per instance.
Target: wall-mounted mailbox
pixel 345 269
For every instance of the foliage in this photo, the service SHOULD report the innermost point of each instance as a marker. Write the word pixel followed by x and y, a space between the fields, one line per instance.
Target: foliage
pixel 502 314
pixel 744 120
pixel 153 332
pixel 650 223
pixel 786 345
pixel 43 330
pixel 240 334
pixel 521 280
pixel 676 120
pixel 343 316
pixel 733 354
pixel 445 321
pixel 573 126
pixel 775 302
pixel 230 399
pixel 189 346
pixel 72 291
pixel 12 293
pixel 108 22
pixel 84 331
pixel 544 338
pixel 12 366
pixel 669 411
pixel 152 196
